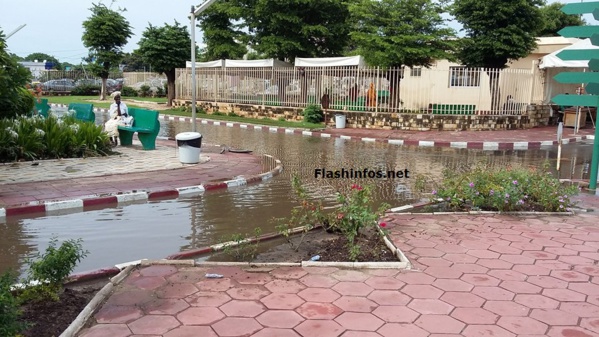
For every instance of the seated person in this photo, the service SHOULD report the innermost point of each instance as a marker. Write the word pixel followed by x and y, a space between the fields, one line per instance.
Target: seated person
pixel 118 114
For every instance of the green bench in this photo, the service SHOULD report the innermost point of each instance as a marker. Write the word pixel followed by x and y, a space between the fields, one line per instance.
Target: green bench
pixel 452 109
pixel 147 126
pixel 83 111
pixel 41 108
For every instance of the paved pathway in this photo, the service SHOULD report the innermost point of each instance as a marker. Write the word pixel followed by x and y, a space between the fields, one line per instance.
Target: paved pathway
pixel 493 275
pixel 133 170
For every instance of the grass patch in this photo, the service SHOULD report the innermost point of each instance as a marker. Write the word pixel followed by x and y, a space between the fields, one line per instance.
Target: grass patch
pixel 66 100
pixel 244 120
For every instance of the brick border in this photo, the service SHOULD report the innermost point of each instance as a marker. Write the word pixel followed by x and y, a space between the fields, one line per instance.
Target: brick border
pixel 119 199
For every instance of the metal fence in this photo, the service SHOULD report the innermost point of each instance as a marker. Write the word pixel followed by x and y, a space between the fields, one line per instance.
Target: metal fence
pixel 420 90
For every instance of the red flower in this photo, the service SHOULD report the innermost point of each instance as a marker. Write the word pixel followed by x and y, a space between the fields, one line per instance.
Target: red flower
pixel 383 224
pixel 356 187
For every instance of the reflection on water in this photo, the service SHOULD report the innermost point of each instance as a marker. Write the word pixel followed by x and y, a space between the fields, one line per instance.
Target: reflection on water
pixel 157 229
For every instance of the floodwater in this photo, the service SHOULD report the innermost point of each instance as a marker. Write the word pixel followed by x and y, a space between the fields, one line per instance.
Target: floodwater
pixel 157 229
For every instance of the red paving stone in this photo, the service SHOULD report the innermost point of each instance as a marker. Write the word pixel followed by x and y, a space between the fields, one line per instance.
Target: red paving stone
pixel 487 297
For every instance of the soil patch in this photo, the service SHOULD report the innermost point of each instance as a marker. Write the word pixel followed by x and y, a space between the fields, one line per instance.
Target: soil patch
pixel 330 247
pixel 49 318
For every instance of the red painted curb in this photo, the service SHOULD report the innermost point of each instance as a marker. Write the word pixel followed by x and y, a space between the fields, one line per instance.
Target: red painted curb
pixel 19 210
pixel 163 194
pixel 214 186
pixel 93 274
pixel 189 253
pixel 100 201
pixel 474 145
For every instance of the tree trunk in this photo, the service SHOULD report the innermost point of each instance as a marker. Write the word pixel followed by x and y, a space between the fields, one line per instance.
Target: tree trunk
pixel 170 91
pixel 103 89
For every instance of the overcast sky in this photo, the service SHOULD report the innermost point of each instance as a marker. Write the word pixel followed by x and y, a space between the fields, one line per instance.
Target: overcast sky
pixel 55 27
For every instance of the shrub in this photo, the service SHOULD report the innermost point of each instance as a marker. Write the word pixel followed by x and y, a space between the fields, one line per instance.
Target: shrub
pixel 129 92
pixel 307 214
pixel 51 269
pixel 242 247
pixel 31 138
pixel 9 307
pixel 218 113
pixel 351 218
pixel 505 189
pixel 86 90
pixel 160 92
pixel 145 91
pixel 313 114
pixel 355 214
pixel 232 114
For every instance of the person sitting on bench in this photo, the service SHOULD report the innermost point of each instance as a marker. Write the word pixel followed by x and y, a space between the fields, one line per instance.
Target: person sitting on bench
pixel 118 113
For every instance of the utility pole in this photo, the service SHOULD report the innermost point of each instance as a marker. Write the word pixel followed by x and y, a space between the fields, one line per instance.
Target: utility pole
pixel 194 13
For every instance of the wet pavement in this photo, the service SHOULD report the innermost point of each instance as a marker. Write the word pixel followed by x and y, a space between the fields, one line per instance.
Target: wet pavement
pixel 133 170
pixel 484 275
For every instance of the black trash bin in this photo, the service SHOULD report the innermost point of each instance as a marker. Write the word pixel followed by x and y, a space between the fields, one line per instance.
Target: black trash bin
pixel 189 144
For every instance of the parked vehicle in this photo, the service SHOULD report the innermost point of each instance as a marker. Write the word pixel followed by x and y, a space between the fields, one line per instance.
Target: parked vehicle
pixel 64 84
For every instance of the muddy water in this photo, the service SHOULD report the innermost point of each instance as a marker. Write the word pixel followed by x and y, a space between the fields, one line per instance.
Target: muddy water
pixel 157 229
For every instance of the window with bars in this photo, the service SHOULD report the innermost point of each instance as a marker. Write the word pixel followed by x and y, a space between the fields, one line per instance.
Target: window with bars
pixel 464 77
pixel 416 72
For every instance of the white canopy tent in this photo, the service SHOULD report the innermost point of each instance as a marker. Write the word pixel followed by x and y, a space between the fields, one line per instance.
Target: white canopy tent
pixel 356 61
pixel 209 64
pixel 553 65
pixel 264 63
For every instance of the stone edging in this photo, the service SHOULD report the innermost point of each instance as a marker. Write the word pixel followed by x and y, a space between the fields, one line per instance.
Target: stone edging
pixel 119 199
pixel 489 146
pixel 404 210
pixel 403 263
pixel 94 304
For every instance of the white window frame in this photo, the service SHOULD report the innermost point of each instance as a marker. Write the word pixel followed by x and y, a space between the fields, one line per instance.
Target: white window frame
pixel 463 77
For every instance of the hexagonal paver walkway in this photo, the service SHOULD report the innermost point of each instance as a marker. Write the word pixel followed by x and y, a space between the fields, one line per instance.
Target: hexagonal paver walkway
pixel 484 275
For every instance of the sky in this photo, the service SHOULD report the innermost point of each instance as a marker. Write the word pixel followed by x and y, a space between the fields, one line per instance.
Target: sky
pixel 54 27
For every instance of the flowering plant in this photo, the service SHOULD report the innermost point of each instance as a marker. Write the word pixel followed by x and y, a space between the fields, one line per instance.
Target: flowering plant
pixel 486 188
pixel 354 215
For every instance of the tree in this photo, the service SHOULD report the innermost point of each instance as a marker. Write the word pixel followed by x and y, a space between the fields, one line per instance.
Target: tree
pixel 105 33
pixel 396 33
pixel 14 98
pixel 41 57
pixel 166 48
pixel 288 29
pixel 133 62
pixel 496 32
pixel 223 39
pixel 553 20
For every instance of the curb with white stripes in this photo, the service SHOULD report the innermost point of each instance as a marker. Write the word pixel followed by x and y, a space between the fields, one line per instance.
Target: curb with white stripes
pixel 487 146
pixel 120 199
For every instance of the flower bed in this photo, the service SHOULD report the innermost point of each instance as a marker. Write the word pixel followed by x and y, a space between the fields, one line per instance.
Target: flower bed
pixel 505 189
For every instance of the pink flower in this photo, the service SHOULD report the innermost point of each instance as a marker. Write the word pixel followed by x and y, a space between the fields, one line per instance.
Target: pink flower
pixel 340 216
